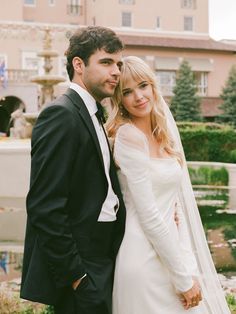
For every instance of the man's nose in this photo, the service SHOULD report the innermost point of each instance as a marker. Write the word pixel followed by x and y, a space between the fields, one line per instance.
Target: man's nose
pixel 115 70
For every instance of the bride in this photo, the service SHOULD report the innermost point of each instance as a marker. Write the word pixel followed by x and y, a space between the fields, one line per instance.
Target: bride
pixel 162 267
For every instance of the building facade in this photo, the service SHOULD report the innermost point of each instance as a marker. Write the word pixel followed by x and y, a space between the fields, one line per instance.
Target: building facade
pixel 163 33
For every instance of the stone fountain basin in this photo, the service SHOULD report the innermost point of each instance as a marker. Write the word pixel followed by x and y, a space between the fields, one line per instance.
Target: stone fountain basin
pixel 14 185
pixel 47 79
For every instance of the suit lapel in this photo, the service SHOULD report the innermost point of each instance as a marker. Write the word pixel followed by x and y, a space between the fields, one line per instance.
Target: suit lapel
pixel 83 111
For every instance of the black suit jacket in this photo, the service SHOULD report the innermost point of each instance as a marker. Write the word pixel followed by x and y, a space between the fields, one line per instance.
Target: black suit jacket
pixel 67 189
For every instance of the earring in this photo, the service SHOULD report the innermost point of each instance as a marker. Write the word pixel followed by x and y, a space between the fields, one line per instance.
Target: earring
pixel 123 111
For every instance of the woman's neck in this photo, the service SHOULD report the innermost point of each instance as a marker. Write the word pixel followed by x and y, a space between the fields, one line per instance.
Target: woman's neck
pixel 144 124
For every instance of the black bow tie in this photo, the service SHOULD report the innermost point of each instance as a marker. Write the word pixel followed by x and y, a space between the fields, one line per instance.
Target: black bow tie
pixel 100 113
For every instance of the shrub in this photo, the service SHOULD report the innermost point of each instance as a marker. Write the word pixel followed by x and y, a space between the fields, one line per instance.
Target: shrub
pixel 231 301
pixel 202 125
pixel 208 142
pixel 12 304
pixel 48 310
pixel 209 176
pixel 232 155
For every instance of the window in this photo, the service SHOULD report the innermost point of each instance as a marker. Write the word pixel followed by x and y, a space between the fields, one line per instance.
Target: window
pixel 51 2
pixel 188 23
pixel 127 1
pixel 30 2
pixel 202 83
pixel 166 81
pixel 30 61
pixel 126 19
pixel 158 20
pixel 188 4
pixel 74 7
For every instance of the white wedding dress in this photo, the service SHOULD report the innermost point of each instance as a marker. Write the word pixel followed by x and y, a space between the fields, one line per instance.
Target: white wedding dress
pixel 155 260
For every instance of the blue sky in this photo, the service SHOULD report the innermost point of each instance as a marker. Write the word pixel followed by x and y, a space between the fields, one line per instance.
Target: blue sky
pixel 222 19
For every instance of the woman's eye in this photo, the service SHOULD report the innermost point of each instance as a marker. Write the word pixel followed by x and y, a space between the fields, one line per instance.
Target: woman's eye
pixel 143 85
pixel 126 93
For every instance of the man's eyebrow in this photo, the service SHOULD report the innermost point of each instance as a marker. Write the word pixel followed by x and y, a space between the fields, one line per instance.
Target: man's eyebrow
pixel 106 59
pixel 119 63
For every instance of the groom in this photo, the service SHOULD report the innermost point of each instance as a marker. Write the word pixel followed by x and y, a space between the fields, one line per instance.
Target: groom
pixel 76 214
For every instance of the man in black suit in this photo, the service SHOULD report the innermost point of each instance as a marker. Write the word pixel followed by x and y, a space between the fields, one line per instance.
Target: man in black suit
pixel 76 214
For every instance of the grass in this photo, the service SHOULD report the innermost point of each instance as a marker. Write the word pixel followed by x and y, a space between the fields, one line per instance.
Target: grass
pixel 12 304
pixel 231 302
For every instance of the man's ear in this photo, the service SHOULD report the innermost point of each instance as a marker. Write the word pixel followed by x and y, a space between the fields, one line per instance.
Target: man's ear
pixel 78 65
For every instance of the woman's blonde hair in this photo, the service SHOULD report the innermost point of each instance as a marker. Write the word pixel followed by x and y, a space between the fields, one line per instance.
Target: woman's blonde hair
pixel 136 69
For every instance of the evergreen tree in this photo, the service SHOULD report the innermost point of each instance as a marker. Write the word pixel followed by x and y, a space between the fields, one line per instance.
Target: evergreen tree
pixel 229 99
pixel 185 104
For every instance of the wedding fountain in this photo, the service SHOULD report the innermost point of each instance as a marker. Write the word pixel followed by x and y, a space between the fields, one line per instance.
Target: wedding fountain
pixel 23 122
pixel 47 80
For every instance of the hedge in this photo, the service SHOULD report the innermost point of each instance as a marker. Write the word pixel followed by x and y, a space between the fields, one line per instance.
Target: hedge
pixel 208 142
pixel 209 176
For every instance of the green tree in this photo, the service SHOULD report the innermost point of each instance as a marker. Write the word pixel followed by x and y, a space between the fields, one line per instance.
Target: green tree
pixel 185 104
pixel 228 96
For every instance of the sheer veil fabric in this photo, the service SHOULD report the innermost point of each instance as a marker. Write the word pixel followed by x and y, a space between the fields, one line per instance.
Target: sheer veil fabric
pixel 214 299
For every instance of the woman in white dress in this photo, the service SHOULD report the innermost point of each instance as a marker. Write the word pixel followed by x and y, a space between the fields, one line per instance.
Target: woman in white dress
pixel 160 265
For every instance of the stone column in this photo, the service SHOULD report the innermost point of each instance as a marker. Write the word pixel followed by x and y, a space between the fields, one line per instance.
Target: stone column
pixel 232 185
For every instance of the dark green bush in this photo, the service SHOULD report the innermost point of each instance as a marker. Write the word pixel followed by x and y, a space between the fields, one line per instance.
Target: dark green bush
pixel 208 142
pixel 202 125
pixel 233 155
pixel 209 176
pixel 48 310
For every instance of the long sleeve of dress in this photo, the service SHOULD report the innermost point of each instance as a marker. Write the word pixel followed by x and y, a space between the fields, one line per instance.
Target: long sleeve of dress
pixel 131 153
pixel 185 242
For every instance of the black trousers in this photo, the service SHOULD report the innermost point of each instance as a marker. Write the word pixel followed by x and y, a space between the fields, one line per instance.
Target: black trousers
pixel 94 294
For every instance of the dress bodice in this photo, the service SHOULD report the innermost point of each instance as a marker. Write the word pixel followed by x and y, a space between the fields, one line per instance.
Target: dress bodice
pixel 166 174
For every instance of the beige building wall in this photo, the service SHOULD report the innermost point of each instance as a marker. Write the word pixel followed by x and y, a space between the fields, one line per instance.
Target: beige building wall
pixel 22 30
pixel 11 10
pixel 223 63
pixel 62 11
pixel 144 15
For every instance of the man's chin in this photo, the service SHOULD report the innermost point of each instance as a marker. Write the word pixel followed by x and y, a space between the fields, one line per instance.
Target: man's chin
pixel 110 92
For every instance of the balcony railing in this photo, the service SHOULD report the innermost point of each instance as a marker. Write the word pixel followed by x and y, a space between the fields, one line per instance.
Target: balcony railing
pixel 19 76
pixel 74 9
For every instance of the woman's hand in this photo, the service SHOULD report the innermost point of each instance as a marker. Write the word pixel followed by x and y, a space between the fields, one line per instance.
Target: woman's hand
pixel 192 297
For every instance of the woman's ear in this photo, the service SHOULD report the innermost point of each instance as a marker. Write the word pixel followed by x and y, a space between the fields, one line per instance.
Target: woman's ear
pixel 78 65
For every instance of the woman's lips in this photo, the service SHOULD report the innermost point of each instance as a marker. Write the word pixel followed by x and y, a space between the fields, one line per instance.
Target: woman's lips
pixel 142 105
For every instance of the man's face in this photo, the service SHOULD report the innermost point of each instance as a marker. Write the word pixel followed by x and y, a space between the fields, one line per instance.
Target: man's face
pixel 101 75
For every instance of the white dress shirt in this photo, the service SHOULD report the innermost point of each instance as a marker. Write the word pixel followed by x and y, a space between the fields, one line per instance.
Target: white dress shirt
pixel 110 205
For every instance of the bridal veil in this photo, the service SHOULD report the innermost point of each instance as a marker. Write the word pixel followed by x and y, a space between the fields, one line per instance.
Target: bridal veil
pixel 214 299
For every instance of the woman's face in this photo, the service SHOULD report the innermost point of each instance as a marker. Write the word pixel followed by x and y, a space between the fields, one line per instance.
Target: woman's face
pixel 137 98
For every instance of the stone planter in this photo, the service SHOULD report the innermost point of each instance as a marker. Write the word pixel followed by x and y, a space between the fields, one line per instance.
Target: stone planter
pixel 14 185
